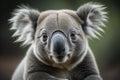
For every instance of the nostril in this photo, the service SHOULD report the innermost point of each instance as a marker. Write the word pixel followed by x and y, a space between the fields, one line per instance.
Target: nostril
pixel 59 51
pixel 54 50
pixel 63 50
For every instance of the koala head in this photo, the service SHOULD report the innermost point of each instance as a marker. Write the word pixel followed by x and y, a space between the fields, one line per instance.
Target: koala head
pixel 59 36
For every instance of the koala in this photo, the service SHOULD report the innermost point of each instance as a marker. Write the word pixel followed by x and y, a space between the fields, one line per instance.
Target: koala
pixel 58 42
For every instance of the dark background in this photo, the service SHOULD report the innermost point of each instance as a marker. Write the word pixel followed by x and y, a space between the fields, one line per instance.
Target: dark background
pixel 106 50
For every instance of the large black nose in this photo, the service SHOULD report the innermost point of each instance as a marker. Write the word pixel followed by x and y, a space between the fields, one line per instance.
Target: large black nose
pixel 58 43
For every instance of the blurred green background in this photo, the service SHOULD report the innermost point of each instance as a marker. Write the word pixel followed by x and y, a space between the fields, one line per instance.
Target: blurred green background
pixel 106 50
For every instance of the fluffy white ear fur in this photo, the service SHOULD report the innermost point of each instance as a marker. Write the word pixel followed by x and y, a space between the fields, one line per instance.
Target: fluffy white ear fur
pixel 93 16
pixel 24 22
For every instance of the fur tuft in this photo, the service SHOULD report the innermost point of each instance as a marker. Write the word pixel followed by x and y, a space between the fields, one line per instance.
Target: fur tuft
pixel 24 22
pixel 93 16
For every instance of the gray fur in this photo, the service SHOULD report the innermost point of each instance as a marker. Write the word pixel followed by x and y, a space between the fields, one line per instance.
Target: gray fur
pixel 58 39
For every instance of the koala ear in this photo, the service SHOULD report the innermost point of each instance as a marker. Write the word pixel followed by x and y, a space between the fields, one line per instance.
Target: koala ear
pixel 93 16
pixel 24 22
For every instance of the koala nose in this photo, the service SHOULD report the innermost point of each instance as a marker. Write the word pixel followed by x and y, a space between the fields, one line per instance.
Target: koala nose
pixel 59 49
pixel 58 42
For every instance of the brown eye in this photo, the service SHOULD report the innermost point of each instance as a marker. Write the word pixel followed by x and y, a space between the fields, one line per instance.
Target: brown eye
pixel 73 35
pixel 44 37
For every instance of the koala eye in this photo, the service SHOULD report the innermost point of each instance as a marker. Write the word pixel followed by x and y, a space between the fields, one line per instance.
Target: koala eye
pixel 44 37
pixel 73 35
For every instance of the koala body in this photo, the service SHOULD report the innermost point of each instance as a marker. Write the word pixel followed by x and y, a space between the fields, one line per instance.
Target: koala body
pixel 58 42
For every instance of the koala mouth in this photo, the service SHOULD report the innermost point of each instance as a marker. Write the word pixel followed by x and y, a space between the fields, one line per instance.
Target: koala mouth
pixel 60 58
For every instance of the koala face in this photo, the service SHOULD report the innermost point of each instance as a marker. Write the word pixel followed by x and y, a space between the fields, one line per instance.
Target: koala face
pixel 61 38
